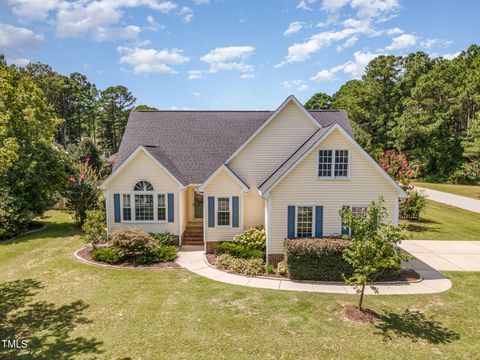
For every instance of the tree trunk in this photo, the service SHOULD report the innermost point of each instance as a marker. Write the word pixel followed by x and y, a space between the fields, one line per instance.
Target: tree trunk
pixel 360 303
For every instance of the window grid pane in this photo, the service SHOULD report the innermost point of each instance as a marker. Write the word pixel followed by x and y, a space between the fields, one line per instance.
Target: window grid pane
pixel 325 163
pixel 223 211
pixel 127 208
pixel 143 186
pixel 341 163
pixel 162 212
pixel 143 207
pixel 359 210
pixel 304 221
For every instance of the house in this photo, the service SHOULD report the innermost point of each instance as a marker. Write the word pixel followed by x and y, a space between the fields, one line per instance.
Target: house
pixel 208 175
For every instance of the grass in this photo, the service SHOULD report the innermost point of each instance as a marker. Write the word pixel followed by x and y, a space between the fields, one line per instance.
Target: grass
pixel 70 310
pixel 471 191
pixel 444 222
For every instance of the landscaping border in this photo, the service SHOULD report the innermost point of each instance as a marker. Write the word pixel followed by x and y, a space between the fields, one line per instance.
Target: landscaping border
pixel 109 266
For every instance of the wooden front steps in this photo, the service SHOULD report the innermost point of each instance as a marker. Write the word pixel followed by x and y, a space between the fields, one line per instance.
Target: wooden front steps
pixel 193 234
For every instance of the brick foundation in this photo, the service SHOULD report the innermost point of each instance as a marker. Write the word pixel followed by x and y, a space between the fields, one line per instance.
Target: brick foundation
pixel 210 246
pixel 274 259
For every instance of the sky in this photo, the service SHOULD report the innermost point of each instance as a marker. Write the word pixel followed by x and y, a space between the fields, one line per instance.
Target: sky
pixel 228 54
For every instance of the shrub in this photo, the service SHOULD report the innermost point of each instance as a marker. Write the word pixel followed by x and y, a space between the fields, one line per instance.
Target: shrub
pixel 282 268
pixel 247 267
pixel 238 251
pixel 165 238
pixel 269 269
pixel 95 228
pixel 109 255
pixel 253 238
pixel 414 204
pixel 160 254
pixel 133 243
pixel 397 166
pixel 316 259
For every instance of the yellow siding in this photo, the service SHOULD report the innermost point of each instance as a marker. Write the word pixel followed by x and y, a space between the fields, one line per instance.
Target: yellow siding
pixel 222 185
pixel 254 209
pixel 184 202
pixel 301 187
pixel 272 145
pixel 142 167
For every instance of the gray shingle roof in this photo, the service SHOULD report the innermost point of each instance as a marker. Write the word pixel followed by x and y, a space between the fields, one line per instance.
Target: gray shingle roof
pixel 193 144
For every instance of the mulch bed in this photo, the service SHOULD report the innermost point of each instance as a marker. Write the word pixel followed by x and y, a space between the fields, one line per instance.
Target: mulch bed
pixel 409 275
pixel 353 313
pixel 85 254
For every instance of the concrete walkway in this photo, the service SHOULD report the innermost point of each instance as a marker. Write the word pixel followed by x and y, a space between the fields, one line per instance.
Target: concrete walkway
pixel 451 255
pixel 193 259
pixel 462 202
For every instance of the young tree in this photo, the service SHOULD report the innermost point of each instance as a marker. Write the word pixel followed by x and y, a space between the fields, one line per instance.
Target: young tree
pixel 374 248
pixel 87 149
pixel 95 227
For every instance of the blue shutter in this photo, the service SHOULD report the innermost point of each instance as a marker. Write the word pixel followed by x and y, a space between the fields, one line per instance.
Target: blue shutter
pixel 171 208
pixel 318 221
pixel 211 211
pixel 116 207
pixel 345 229
pixel 235 211
pixel 291 222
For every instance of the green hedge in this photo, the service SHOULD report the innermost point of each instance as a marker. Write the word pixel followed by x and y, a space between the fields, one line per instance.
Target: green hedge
pixel 238 251
pixel 316 259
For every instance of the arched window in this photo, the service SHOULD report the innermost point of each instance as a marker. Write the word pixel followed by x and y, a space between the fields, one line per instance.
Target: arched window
pixel 143 202
pixel 143 186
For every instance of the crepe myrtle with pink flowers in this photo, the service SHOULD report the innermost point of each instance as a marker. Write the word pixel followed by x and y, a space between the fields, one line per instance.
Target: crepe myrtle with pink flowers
pixel 398 167
pixel 82 192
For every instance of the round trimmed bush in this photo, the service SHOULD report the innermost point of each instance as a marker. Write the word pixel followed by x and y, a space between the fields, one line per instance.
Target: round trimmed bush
pixel 109 255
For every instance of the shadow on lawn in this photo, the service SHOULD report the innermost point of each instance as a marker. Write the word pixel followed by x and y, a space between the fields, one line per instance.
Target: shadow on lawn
pixel 45 326
pixel 415 326
pixel 421 225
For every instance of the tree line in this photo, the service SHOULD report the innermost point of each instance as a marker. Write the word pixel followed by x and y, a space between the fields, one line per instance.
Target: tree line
pixel 427 108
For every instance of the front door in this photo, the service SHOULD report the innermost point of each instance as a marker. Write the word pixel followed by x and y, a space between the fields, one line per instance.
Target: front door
pixel 197 205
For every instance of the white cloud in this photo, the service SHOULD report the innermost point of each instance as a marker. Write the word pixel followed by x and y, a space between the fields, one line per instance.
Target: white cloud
pixel 19 61
pixel 229 59
pixel 428 43
pixel 355 68
pixel 153 25
pixel 394 31
pixel 97 19
pixel 196 94
pixel 402 42
pixel 299 52
pixel 451 55
pixel 195 74
pixel 350 42
pixel 201 2
pixel 14 39
pixel 247 76
pixel 187 14
pixel 297 85
pixel 375 8
pixel 33 9
pixel 293 28
pixel 146 61
pixel 305 4
pixel 334 5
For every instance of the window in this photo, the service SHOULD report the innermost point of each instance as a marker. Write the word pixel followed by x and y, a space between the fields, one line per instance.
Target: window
pixel 161 207
pixel 359 210
pixel 341 163
pixel 325 163
pixel 143 186
pixel 223 211
pixel 143 207
pixel 127 207
pixel 304 221
pixel 333 164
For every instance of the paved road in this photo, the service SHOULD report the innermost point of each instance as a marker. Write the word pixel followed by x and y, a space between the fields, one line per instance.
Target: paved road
pixel 454 255
pixel 451 199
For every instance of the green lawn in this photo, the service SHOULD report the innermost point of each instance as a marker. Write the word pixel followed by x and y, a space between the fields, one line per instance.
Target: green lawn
pixel 444 222
pixel 69 310
pixel 472 191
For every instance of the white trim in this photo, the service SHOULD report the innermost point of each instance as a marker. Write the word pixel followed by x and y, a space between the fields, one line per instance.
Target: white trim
pixel 230 210
pixel 132 207
pixel 129 158
pixel 107 210
pixel 244 187
pixel 289 99
pixel 268 226
pixel 180 214
pixel 392 182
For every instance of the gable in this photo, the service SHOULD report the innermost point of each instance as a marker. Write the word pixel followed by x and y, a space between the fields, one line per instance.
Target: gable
pixel 273 144
pixel 363 177
pixel 140 166
pixel 223 183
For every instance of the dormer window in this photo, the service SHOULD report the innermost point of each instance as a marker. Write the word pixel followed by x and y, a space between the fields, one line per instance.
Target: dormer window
pixel 333 164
